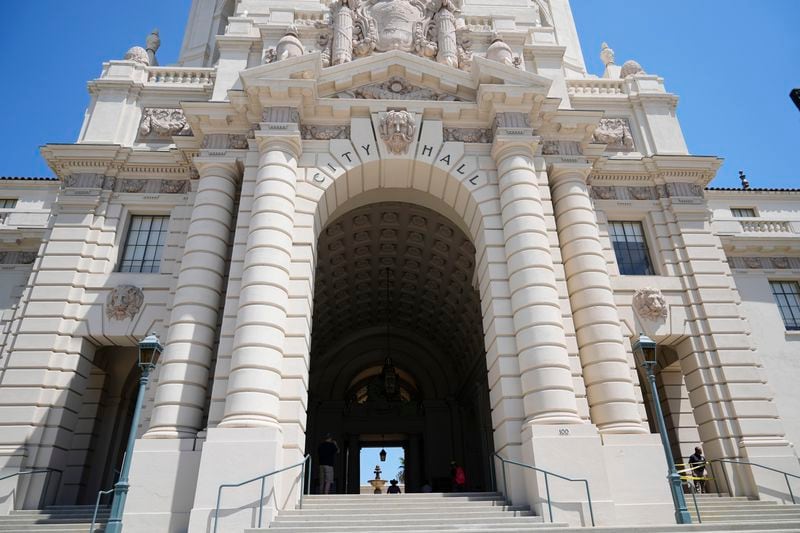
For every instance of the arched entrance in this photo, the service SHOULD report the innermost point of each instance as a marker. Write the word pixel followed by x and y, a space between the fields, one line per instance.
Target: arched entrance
pixel 397 347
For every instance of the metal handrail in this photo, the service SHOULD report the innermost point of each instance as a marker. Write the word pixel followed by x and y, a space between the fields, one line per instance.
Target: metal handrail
pixel 39 471
pixel 546 484
pixel 748 463
pixel 263 478
pixel 97 505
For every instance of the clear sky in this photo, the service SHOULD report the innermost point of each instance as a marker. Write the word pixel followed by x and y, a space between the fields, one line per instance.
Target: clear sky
pixel 732 63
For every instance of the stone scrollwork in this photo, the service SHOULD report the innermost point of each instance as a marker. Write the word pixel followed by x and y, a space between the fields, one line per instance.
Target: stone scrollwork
pixel 649 303
pixel 397 130
pixel 163 123
pixel 324 133
pixel 396 88
pixel 616 133
pixel 468 135
pixel 123 302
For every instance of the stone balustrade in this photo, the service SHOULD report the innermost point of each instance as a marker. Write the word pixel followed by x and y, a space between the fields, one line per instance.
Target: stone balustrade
pixel 180 76
pixel 767 226
pixel 595 87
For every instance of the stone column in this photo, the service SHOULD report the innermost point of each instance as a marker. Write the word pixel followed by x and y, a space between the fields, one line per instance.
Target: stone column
pixel 184 368
pixel 446 26
pixel 547 388
pixel 606 371
pixel 254 382
pixel 342 46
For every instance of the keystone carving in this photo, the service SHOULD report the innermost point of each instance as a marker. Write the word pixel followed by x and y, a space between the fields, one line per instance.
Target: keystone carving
pixel 163 123
pixel 616 133
pixel 649 303
pixel 123 302
pixel 397 130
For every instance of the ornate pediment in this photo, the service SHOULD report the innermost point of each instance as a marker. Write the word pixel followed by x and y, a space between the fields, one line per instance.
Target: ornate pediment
pixel 396 88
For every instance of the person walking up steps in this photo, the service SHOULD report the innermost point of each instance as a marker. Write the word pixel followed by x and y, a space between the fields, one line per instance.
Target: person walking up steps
pixel 327 459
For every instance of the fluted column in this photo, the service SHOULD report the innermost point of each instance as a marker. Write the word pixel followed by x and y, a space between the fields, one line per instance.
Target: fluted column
pixel 606 371
pixel 255 376
pixel 184 367
pixel 548 392
pixel 342 46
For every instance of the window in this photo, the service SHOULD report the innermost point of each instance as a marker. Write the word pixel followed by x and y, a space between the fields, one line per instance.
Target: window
pixel 630 248
pixel 787 296
pixel 740 212
pixel 8 203
pixel 144 243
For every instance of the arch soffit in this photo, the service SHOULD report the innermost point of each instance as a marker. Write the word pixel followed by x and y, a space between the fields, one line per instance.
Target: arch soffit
pixel 366 348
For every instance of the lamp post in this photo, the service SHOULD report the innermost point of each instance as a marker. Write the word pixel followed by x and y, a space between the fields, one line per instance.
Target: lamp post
pixel 149 350
pixel 646 348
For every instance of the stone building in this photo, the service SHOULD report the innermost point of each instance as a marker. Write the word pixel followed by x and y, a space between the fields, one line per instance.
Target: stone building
pixel 413 222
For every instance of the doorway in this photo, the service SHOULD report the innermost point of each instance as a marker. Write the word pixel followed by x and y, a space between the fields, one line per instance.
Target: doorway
pixel 397 350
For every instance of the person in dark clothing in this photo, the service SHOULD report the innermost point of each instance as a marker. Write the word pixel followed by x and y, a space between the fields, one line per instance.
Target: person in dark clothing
pixel 327 459
pixel 393 488
pixel 698 465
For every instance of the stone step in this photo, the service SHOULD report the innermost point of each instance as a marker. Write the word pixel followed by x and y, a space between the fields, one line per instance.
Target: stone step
pixel 379 522
pixel 336 512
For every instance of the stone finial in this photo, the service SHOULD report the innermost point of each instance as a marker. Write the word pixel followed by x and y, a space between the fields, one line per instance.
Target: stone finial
pixel 137 54
pixel 631 68
pixel 289 45
pixel 499 51
pixel 606 54
pixel 152 44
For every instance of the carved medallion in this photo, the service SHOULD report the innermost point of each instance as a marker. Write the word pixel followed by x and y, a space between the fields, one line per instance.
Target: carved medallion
pixel 649 303
pixel 123 302
pixel 397 130
pixel 160 122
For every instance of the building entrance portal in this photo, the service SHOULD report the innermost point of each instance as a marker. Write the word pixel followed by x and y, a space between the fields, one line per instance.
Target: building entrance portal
pixel 397 349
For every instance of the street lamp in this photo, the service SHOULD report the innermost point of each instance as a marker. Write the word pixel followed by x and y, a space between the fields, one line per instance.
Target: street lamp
pixel 645 347
pixel 149 350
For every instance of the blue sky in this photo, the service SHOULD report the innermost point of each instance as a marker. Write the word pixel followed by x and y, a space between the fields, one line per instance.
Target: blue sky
pixel 370 457
pixel 732 63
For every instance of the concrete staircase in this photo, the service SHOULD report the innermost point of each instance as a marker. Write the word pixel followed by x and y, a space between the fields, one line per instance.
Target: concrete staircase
pixel 488 512
pixel 407 513
pixel 58 518
pixel 715 509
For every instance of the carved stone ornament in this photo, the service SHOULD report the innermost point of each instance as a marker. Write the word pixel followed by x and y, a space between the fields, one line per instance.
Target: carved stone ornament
pixel 123 302
pixel 396 88
pixel 163 123
pixel 137 54
pixel 616 133
pixel 468 135
pixel 561 148
pixel 631 68
pixel 397 130
pixel 288 46
pixel 649 303
pixel 423 27
pixel 324 133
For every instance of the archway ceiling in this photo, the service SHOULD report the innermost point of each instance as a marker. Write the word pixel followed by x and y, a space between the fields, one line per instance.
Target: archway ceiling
pixel 430 265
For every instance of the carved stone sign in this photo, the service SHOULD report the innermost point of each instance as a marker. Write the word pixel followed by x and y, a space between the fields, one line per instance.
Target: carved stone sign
pixel 123 302
pixel 397 130
pixel 649 303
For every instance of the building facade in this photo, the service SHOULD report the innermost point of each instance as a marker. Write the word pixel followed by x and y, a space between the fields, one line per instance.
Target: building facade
pixel 410 222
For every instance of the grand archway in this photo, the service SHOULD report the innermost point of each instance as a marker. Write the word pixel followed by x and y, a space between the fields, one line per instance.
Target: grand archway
pixel 397 349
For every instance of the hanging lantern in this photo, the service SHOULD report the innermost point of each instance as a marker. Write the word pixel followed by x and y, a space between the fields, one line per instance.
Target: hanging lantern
pixel 382 455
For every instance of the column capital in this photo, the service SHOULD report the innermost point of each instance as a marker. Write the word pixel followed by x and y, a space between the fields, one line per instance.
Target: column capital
pixel 506 145
pixel 224 166
pixel 564 169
